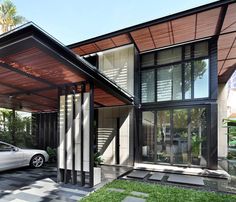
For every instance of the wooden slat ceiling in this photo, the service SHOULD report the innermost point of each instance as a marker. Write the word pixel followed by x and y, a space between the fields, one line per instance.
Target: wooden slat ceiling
pixel 22 76
pixel 196 26
pixel 227 45
pixel 102 45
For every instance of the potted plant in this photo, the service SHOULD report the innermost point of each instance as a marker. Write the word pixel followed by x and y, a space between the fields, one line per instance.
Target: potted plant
pixel 97 169
pixel 196 143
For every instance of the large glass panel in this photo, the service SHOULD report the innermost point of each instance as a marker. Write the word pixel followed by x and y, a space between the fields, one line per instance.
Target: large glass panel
pixel 177 82
pixel 163 137
pixel 147 87
pixel 147 60
pixel 148 136
pixel 201 49
pixel 180 136
pixel 164 84
pixel 169 56
pixel 187 81
pixel 169 83
pixel 198 136
pixel 201 78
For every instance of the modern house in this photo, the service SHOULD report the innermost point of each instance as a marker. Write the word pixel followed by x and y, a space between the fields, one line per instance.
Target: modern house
pixel 147 94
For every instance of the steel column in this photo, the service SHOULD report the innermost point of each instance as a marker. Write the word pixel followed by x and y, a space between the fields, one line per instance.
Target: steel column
pixel 91 138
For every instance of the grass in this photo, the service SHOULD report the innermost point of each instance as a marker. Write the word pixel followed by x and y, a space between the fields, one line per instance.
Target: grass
pixel 157 193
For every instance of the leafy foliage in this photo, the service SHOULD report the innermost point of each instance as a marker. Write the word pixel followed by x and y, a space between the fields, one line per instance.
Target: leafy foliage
pixel 8 16
pixel 15 129
pixel 52 152
pixel 97 159
pixel 231 125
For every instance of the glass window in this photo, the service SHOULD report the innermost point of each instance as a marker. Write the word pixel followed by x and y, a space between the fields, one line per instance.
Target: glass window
pixel 148 136
pixel 5 148
pixel 177 82
pixel 201 78
pixel 183 143
pixel 169 83
pixel 147 60
pixel 147 87
pixel 164 84
pixel 180 136
pixel 201 49
pixel 187 81
pixel 169 56
pixel 198 137
pixel 163 136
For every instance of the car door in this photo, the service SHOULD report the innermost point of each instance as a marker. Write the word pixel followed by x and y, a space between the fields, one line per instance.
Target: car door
pixel 9 157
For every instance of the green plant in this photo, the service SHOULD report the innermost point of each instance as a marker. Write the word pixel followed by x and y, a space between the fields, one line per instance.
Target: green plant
pixel 231 125
pixel 196 142
pixel 16 129
pixel 97 159
pixel 52 152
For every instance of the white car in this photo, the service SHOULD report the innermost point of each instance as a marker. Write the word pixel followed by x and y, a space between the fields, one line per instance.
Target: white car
pixel 14 157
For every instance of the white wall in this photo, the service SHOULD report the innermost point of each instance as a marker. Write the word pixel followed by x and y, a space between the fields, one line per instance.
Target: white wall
pixel 118 65
pixel 107 126
pixel 222 114
pixel 86 126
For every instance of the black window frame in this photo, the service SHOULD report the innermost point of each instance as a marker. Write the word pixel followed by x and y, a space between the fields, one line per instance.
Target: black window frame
pixel 182 63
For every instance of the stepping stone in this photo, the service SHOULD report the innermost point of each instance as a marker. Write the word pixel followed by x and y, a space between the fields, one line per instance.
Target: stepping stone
pixel 138 174
pixel 116 190
pixel 133 199
pixel 186 179
pixel 136 193
pixel 156 176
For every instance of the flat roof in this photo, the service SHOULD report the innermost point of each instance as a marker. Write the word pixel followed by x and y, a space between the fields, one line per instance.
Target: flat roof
pixel 33 66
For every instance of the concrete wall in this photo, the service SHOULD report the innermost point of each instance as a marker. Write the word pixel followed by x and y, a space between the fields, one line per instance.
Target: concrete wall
pixel 118 65
pixel 107 130
pixel 222 113
pixel 86 126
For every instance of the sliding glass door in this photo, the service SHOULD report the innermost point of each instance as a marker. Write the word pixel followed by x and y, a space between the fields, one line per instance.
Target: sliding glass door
pixel 176 136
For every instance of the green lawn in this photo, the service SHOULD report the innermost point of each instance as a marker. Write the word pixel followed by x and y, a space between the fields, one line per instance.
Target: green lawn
pixel 156 193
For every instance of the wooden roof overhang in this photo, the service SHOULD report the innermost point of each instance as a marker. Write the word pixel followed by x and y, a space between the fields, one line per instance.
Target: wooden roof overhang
pixel 33 66
pixel 215 20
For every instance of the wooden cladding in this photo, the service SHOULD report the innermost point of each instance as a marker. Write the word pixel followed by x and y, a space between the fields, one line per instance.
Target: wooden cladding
pixel 102 45
pixel 180 30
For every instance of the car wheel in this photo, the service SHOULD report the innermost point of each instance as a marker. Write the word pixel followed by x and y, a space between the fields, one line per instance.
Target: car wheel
pixel 37 161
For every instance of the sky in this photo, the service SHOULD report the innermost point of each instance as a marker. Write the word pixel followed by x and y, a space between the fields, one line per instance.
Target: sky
pixel 72 21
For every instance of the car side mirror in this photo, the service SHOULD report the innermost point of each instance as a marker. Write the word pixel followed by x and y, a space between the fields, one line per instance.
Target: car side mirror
pixel 15 149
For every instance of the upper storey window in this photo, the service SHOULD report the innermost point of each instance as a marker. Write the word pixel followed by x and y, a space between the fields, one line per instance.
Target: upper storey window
pixel 179 73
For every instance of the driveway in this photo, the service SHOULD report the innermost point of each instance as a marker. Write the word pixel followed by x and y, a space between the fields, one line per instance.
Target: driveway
pixel 37 185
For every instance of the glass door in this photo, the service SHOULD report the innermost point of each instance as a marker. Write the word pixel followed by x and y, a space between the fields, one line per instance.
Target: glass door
pixel 180 134
pixel 176 137
pixel 163 134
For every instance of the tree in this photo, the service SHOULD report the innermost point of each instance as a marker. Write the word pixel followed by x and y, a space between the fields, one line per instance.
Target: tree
pixel 8 16
pixel 16 129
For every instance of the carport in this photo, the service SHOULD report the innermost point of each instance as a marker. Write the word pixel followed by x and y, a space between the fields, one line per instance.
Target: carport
pixel 40 75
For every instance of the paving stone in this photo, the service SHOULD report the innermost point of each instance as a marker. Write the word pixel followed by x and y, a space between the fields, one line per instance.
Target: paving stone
pixel 77 191
pixel 156 176
pixel 115 190
pixel 27 197
pixel 186 179
pixel 138 174
pixel 76 198
pixel 137 193
pixel 133 199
